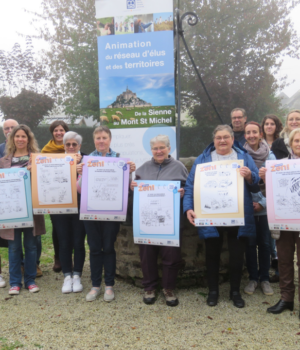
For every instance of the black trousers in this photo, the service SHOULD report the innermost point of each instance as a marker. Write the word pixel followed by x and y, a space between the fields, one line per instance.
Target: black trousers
pixel 236 247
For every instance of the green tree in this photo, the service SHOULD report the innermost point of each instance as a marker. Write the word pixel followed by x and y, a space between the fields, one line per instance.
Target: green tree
pixel 237 46
pixel 70 28
pixel 28 107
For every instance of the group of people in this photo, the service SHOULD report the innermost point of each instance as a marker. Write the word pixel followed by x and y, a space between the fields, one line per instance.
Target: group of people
pixel 251 142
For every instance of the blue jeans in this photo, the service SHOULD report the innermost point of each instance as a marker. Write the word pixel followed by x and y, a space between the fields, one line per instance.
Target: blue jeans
pixel 101 239
pixel 38 251
pixel 262 241
pixel 14 253
pixel 71 234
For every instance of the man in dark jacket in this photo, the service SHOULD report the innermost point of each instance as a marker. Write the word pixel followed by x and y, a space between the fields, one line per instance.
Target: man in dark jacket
pixel 238 121
pixel 8 125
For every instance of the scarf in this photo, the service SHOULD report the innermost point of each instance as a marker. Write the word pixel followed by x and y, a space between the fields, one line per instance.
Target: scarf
pixel 111 153
pixel 285 137
pixel 260 155
pixel 52 147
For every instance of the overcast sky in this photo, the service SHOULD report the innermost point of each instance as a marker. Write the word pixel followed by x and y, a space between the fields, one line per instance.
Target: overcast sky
pixel 14 20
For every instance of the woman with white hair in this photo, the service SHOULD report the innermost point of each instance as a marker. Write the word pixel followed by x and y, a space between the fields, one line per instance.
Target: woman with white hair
pixel 165 168
pixel 70 230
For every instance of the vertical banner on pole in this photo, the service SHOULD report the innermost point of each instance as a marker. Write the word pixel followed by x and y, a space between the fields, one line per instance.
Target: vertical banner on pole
pixel 136 73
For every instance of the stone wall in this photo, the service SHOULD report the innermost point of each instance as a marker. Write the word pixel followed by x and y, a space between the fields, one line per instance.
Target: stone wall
pixel 192 250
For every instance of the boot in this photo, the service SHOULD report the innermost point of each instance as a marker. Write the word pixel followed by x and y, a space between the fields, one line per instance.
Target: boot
pixel 57 265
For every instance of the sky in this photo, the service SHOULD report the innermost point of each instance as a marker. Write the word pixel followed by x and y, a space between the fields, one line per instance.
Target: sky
pixel 14 20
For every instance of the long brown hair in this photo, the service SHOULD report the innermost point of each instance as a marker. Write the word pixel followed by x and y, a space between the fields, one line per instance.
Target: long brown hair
pixel 32 142
pixel 277 122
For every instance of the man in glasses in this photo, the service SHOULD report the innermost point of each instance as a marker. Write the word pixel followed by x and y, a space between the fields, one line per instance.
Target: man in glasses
pixel 8 125
pixel 238 121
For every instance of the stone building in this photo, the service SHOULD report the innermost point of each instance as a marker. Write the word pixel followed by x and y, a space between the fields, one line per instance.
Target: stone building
pixel 129 99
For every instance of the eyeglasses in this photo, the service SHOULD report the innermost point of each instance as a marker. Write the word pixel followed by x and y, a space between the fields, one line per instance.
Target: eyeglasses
pixel 155 149
pixel 237 118
pixel 225 138
pixel 8 128
pixel 71 144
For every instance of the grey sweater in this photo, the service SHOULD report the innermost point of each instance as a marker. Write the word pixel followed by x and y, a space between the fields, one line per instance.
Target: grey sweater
pixel 169 170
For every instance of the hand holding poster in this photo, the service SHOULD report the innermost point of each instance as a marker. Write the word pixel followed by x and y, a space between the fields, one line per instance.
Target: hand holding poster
pixel 104 189
pixel 156 213
pixel 54 184
pixel 283 189
pixel 15 198
pixel 219 194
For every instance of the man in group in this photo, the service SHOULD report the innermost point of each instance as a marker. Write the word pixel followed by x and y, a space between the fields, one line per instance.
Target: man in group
pixel 7 126
pixel 238 121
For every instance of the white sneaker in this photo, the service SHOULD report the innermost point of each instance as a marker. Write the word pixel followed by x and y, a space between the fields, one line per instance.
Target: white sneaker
pixel 2 282
pixel 77 286
pixel 68 285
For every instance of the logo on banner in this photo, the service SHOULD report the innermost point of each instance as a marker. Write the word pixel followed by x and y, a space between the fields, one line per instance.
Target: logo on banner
pixel 131 4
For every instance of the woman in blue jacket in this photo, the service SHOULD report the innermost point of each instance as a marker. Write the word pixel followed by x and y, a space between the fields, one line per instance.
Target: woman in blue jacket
pixel 225 148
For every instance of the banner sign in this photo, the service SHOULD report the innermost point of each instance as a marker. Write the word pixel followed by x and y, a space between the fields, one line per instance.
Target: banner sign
pixel 104 189
pixel 219 194
pixel 15 199
pixel 156 213
pixel 54 184
pixel 136 72
pixel 283 194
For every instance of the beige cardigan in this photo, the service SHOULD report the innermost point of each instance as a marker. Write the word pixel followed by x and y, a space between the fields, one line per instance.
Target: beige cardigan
pixel 39 221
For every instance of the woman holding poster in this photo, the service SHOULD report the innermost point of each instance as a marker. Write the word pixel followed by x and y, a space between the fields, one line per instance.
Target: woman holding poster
pixel 286 243
pixel 20 145
pixel 260 152
pixel 225 148
pixel 70 230
pixel 102 234
pixel 165 168
pixel 58 129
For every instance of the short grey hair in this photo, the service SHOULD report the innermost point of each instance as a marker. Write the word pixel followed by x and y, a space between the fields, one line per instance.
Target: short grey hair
pixel 292 135
pixel 72 135
pixel 238 109
pixel 222 128
pixel 160 138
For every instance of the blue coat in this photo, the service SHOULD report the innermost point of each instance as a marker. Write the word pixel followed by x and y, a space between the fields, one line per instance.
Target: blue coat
pixel 188 200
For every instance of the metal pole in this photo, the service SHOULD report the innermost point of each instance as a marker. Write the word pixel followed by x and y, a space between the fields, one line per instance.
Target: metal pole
pixel 178 25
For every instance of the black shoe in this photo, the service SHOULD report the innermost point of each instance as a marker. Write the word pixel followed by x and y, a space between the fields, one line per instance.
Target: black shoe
pixel 149 297
pixel 281 306
pixel 274 279
pixel 171 299
pixel 212 299
pixel 238 301
pixel 274 264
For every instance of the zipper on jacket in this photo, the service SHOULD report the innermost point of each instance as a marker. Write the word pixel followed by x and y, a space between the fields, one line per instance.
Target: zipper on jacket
pixel 159 169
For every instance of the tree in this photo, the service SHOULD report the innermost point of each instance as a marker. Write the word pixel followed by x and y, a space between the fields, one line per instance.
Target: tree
pixel 22 70
pixel 27 107
pixel 70 28
pixel 237 46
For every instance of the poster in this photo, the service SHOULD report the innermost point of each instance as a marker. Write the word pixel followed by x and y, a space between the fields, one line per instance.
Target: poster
pixel 15 198
pixel 54 184
pixel 283 194
pixel 156 213
pixel 219 194
pixel 136 72
pixel 104 189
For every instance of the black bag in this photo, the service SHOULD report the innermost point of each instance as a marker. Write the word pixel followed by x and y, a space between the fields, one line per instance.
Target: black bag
pixel 3 243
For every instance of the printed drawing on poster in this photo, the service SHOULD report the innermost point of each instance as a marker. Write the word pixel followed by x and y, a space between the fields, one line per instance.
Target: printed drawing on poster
pixel 218 190
pixel 54 181
pixel 156 211
pixel 105 186
pixel 286 192
pixel 12 197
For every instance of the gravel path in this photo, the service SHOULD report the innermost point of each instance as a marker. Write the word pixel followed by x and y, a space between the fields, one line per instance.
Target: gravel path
pixel 51 320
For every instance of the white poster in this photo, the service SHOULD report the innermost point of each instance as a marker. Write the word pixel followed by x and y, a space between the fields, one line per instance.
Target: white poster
pixel 286 192
pixel 54 182
pixel 12 197
pixel 218 190
pixel 156 211
pixel 105 187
